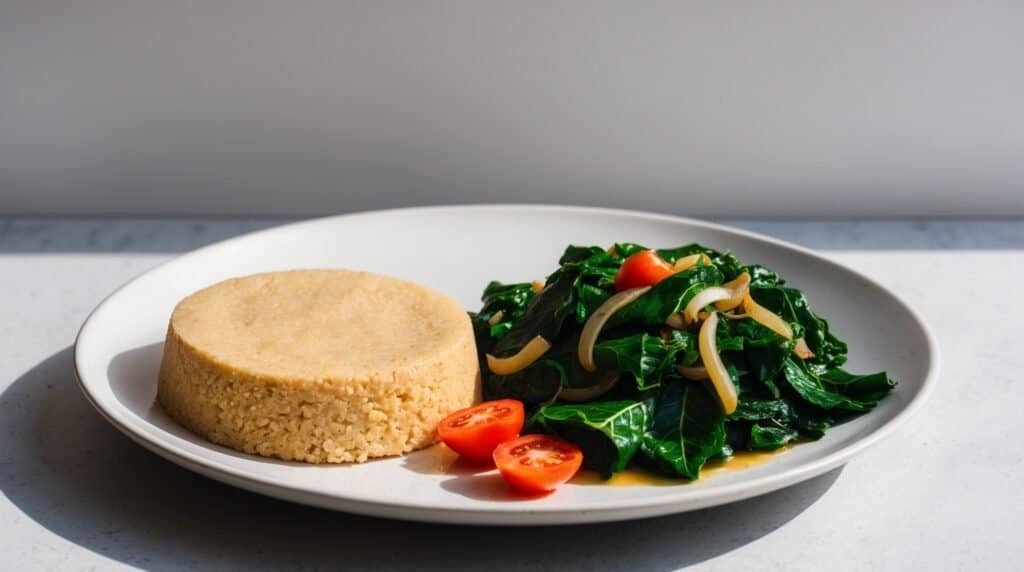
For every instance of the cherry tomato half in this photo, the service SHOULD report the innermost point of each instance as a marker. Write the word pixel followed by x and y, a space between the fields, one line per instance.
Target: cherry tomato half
pixel 474 432
pixel 537 463
pixel 644 268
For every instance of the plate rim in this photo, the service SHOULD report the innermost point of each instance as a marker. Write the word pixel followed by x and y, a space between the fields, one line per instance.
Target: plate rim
pixel 611 510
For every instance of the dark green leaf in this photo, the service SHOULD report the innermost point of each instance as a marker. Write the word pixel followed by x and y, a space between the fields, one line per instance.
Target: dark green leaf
pixel 724 261
pixel 688 429
pixel 791 304
pixel 510 299
pixel 574 254
pixel 609 433
pixel 754 348
pixel 768 438
pixel 762 410
pixel 837 390
pixel 537 384
pixel 544 316
pixel 627 249
pixel 761 277
pixel 666 298
pixel 647 357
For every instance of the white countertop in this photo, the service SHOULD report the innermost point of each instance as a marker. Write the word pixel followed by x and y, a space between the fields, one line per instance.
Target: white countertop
pixel 943 493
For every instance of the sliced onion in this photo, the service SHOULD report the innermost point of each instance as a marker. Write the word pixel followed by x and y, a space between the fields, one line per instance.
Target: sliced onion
pixel 693 373
pixel 720 378
pixel 581 394
pixel 596 321
pixel 738 286
pixel 520 361
pixel 766 317
pixel 496 318
pixel 702 299
pixel 690 261
pixel 802 350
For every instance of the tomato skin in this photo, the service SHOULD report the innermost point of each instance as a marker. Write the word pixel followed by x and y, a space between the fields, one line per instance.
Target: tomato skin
pixel 475 431
pixel 537 463
pixel 644 268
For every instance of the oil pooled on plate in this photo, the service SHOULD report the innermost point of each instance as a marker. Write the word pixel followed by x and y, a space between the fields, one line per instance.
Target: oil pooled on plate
pixel 639 477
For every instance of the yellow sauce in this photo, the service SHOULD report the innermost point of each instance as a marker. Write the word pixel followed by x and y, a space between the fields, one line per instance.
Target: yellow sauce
pixel 640 477
pixel 442 460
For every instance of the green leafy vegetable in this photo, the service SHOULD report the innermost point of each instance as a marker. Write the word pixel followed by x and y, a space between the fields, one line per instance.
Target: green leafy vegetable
pixel 609 433
pixel 666 298
pixel 651 416
pixel 836 389
pixel 646 357
pixel 687 430
pixel 791 304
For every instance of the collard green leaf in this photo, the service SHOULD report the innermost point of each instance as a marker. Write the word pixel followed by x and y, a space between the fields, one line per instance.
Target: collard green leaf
pixel 769 438
pixel 544 316
pixel 791 304
pixel 510 299
pixel 627 249
pixel 838 389
pixel 677 425
pixel 537 384
pixel 641 355
pixel 688 429
pixel 761 277
pixel 777 410
pixel 871 387
pixel 609 433
pixel 576 254
pixel 754 348
pixel 590 298
pixel 769 424
pixel 726 263
pixel 648 358
pixel 594 270
pixel 666 298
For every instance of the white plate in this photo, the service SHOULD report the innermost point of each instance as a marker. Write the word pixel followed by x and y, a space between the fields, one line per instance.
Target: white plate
pixel 457 250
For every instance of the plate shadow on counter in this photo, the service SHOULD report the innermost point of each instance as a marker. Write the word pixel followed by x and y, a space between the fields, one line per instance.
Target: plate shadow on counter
pixel 71 472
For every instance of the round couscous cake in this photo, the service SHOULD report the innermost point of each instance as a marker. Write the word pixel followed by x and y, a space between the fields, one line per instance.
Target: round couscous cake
pixel 321 366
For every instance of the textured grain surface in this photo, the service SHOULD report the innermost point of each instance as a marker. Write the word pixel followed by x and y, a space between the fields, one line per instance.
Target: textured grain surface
pixel 322 366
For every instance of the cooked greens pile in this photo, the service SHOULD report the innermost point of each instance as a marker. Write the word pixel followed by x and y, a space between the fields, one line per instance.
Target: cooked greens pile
pixel 637 406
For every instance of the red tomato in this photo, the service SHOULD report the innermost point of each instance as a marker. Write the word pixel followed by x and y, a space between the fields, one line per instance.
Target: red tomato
pixel 537 463
pixel 474 432
pixel 644 268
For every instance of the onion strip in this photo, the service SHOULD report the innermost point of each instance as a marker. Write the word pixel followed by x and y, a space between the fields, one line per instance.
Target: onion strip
pixel 766 317
pixel 687 262
pixel 597 320
pixel 496 318
pixel 702 299
pixel 521 360
pixel 774 322
pixel 693 373
pixel 738 287
pixel 581 394
pixel 720 378
pixel 802 350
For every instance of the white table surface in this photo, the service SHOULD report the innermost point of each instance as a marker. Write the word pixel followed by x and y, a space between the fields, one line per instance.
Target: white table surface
pixel 945 493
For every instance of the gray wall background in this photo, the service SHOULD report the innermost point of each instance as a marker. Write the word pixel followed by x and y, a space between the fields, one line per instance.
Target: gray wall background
pixel 854 108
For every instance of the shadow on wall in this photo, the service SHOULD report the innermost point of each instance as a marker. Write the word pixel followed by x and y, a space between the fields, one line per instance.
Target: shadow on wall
pixel 74 474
